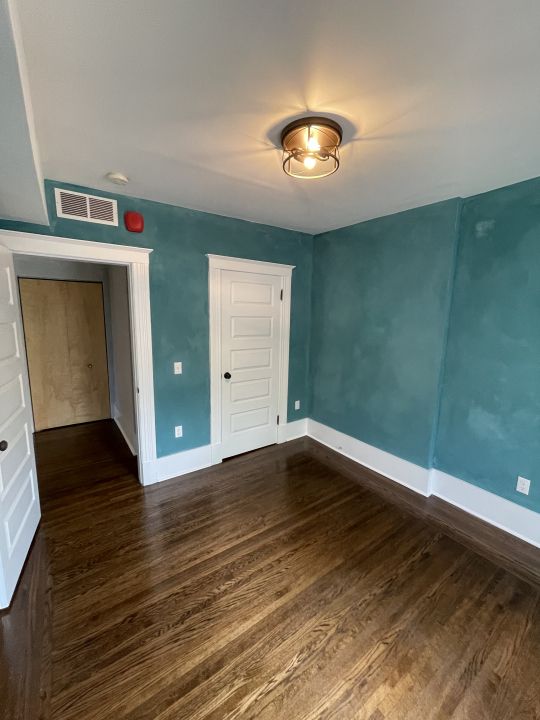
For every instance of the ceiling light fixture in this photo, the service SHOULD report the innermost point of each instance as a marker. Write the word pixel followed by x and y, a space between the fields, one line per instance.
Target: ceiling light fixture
pixel 311 147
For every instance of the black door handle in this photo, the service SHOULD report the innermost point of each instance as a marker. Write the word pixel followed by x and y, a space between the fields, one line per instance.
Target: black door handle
pixel 227 375
pixel 3 445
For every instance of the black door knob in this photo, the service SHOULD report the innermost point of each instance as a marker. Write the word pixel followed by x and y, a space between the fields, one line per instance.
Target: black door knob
pixel 3 445
pixel 227 376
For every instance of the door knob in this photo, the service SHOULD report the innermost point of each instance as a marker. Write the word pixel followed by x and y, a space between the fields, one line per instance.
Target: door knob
pixel 90 365
pixel 227 375
pixel 3 445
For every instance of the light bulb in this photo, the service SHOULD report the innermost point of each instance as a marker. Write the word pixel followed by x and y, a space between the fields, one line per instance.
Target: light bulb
pixel 313 145
pixel 309 162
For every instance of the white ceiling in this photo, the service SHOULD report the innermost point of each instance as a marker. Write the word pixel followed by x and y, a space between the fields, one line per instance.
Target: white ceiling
pixel 439 98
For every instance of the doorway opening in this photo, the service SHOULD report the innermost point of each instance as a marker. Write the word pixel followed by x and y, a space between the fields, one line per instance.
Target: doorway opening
pixel 78 342
pixel 78 347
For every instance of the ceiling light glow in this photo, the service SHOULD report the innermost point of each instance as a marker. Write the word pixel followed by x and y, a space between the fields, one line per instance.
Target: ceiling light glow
pixel 311 147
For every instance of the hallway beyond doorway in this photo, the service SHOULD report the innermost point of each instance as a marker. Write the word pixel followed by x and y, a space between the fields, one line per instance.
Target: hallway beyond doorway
pixel 74 457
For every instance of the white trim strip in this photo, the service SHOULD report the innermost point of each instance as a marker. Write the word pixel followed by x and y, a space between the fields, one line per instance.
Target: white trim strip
pixel 292 430
pixel 284 348
pixel 171 466
pixel 70 249
pixel 401 471
pixel 262 267
pixel 214 330
pixel 497 511
pixel 143 367
pixel 493 509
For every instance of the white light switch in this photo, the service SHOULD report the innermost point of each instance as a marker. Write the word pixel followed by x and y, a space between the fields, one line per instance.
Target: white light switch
pixel 297 404
pixel 178 431
pixel 523 485
pixel 177 368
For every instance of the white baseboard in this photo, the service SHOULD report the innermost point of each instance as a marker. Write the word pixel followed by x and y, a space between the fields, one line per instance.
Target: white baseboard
pixel 215 453
pixel 147 472
pixel 292 430
pixel 171 466
pixel 504 514
pixel 188 461
pixel 500 512
pixel 402 471
pixel 285 432
pixel 129 441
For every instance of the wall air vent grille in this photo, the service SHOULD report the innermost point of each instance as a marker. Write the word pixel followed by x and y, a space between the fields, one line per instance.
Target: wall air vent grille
pixel 88 208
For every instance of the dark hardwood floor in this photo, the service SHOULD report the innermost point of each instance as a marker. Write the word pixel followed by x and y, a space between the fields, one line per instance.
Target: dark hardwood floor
pixel 286 584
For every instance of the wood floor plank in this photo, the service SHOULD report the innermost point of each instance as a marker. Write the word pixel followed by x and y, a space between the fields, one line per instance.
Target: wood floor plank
pixel 287 584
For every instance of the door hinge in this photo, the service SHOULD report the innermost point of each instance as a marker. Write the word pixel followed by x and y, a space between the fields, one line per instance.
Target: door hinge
pixel 278 419
pixel 281 295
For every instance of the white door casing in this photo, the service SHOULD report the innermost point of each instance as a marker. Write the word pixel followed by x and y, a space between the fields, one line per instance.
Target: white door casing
pixel 249 338
pixel 19 498
pixel 136 260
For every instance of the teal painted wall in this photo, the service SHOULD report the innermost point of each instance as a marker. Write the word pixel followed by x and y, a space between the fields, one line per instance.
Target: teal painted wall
pixel 179 298
pixel 489 430
pixel 417 333
pixel 381 292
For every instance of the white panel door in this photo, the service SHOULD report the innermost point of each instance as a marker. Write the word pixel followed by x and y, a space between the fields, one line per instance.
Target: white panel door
pixel 19 501
pixel 250 357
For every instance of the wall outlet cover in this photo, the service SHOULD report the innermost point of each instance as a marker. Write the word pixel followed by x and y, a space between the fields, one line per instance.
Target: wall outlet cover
pixel 177 368
pixel 178 431
pixel 523 485
pixel 297 404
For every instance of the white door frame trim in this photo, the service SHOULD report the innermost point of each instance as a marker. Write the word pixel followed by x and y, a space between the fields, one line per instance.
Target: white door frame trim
pixel 137 262
pixel 217 263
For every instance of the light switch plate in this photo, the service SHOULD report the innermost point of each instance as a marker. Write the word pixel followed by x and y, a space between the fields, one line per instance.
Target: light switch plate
pixel 178 431
pixel 177 368
pixel 523 485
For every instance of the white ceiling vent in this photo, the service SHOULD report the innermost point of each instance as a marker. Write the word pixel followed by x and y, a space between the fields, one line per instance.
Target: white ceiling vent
pixel 88 208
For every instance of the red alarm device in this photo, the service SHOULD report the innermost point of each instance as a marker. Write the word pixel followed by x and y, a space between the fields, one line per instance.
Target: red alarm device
pixel 133 221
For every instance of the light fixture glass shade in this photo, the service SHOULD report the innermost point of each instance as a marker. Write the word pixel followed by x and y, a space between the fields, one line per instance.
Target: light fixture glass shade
pixel 311 147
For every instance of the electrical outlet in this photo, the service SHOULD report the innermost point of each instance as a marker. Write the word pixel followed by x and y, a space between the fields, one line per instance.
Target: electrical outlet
pixel 178 431
pixel 297 404
pixel 523 485
pixel 177 368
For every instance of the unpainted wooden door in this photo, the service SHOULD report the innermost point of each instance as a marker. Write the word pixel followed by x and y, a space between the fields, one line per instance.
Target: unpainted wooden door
pixel 64 328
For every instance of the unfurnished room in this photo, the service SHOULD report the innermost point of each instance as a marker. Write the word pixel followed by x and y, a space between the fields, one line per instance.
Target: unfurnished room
pixel 269 360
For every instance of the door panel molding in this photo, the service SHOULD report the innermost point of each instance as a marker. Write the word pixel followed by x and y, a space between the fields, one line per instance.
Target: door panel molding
pixel 217 264
pixel 19 501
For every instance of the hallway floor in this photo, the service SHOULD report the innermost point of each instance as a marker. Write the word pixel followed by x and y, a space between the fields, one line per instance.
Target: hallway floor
pixel 284 584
